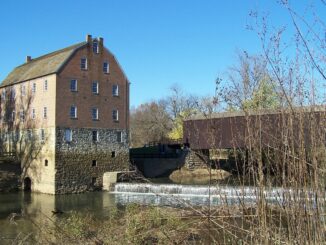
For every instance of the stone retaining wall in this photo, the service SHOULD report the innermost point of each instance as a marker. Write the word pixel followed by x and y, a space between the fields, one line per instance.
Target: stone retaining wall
pixel 195 160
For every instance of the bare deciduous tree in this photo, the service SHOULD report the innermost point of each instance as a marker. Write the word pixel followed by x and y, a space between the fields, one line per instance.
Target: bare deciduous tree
pixel 20 133
pixel 149 123
pixel 250 86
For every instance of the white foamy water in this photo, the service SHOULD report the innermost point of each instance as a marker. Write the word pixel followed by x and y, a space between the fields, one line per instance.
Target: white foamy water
pixel 183 195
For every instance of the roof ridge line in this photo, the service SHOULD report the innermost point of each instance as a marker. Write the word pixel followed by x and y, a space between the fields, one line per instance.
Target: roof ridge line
pixel 52 53
pixel 43 65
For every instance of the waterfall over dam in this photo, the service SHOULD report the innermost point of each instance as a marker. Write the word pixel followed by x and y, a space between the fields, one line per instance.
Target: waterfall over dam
pixel 183 195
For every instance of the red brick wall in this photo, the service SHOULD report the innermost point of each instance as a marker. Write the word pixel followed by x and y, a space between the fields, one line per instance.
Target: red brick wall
pixel 84 99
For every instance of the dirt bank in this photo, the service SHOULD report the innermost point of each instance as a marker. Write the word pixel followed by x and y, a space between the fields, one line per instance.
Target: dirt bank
pixel 198 176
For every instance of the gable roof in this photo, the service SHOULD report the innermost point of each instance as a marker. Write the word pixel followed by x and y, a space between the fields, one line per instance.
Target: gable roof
pixel 41 66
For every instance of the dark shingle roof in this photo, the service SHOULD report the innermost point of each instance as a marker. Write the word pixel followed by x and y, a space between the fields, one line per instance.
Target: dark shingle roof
pixel 316 108
pixel 41 66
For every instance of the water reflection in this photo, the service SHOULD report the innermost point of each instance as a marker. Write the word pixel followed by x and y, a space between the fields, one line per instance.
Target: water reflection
pixel 19 212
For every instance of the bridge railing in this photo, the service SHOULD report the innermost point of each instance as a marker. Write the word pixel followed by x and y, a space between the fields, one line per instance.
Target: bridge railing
pixel 7 154
pixel 154 155
pixel 166 142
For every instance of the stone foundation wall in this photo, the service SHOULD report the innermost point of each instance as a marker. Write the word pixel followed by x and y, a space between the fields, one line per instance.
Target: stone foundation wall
pixel 75 170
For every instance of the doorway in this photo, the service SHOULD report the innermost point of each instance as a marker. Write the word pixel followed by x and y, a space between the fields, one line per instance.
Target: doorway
pixel 27 184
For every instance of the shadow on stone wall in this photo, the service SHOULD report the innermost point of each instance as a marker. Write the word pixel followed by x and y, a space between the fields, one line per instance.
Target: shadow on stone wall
pixel 10 173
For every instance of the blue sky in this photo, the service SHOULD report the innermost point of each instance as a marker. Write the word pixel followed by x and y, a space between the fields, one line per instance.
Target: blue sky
pixel 158 43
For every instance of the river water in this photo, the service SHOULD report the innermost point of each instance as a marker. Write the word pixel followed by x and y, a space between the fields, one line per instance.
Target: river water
pixel 41 206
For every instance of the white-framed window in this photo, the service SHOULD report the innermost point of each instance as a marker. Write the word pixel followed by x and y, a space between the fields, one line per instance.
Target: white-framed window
pixel 119 136
pixel 115 90
pixel 45 112
pixel 13 115
pixel 95 87
pixel 33 113
pixel 45 85
pixel 115 115
pixel 95 113
pixel 22 115
pixel 42 134
pixel 17 135
pixel 95 47
pixel 34 88
pixel 68 135
pixel 11 135
pixel 12 94
pixel 73 111
pixel 29 134
pixel 5 136
pixel 4 95
pixel 22 90
pixel 73 85
pixel 106 67
pixel 95 135
pixel 83 63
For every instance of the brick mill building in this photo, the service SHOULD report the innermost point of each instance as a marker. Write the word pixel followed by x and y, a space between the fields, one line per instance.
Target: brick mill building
pixel 66 114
